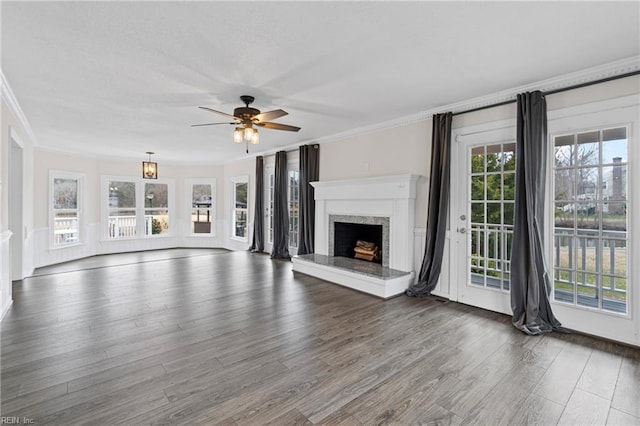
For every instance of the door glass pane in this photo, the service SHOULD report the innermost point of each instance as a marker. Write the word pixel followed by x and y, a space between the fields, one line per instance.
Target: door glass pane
pixel 477 160
pixel 564 184
pixel 477 187
pixel 494 187
pixel 563 151
pixel 509 157
pixel 477 213
pixel 588 151
pixel 491 222
pixel 590 227
pixel 509 186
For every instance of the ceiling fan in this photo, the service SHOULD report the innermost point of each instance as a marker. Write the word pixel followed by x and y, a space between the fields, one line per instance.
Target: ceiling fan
pixel 246 117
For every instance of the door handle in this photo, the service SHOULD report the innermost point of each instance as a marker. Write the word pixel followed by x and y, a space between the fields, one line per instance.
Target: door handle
pixel 462 230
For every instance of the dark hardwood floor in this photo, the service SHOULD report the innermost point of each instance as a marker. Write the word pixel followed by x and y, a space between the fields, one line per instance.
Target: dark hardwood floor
pixel 236 338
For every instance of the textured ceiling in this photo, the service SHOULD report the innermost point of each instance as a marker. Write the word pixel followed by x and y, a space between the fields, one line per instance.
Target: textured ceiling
pixel 117 79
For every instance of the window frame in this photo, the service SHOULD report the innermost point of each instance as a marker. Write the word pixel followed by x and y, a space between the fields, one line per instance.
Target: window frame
pixel 234 182
pixel 576 204
pixel 150 209
pixel 140 208
pixel 610 113
pixel 79 210
pixel 188 203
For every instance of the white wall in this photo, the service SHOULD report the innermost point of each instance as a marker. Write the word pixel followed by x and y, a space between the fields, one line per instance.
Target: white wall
pixel 93 241
pixel 14 126
pixel 394 151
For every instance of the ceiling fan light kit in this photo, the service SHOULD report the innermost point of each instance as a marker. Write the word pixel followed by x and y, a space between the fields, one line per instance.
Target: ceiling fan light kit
pixel 246 117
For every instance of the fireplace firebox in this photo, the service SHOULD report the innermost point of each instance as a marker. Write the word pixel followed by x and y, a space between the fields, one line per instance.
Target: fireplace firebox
pixel 346 236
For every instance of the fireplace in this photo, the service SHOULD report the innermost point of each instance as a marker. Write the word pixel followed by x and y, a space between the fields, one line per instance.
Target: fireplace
pixel 386 204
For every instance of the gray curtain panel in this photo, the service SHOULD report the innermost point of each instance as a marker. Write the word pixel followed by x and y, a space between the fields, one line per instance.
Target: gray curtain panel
pixel 438 210
pixel 257 245
pixel 530 285
pixel 280 209
pixel 309 172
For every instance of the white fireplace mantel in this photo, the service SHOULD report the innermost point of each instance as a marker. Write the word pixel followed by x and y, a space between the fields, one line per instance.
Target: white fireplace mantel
pixel 390 197
pixel 401 187
pixel 385 196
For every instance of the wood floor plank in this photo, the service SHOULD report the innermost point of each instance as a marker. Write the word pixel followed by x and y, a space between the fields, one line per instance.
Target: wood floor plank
pixel 619 418
pixel 536 410
pixel 627 392
pixel 600 375
pixel 562 376
pixel 290 418
pixel 501 403
pixel 236 338
pixel 585 408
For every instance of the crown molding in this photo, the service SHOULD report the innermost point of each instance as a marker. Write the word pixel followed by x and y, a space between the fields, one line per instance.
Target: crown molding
pixel 600 72
pixel 12 102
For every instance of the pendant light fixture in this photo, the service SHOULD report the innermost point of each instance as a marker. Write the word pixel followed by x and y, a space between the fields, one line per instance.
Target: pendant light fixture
pixel 149 168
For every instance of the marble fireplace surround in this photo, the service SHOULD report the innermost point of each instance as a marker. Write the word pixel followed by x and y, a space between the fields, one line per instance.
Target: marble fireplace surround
pixel 371 199
pixel 362 220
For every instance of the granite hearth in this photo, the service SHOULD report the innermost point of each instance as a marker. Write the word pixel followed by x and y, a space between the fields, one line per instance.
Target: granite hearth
pixel 388 202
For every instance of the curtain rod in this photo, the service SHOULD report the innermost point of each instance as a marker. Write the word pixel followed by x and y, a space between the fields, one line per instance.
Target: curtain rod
pixel 296 149
pixel 553 92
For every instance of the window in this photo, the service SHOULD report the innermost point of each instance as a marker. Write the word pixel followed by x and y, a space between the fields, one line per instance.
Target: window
pixel 137 208
pixel 202 203
pixel 240 199
pixel 156 208
pixel 294 207
pixel 121 215
pixel 65 208
pixel 591 240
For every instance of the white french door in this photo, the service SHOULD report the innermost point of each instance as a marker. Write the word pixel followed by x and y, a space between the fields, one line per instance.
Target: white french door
pixel 482 202
pixel 591 224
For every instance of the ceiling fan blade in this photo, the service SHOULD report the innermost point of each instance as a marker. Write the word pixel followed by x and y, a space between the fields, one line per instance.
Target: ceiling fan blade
pixel 210 124
pixel 270 115
pixel 219 112
pixel 278 126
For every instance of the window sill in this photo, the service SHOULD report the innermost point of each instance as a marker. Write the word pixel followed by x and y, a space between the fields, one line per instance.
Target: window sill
pixel 66 246
pixel 146 237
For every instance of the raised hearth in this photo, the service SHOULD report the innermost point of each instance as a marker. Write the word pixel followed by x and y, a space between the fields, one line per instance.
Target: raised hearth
pixel 388 201
pixel 367 277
